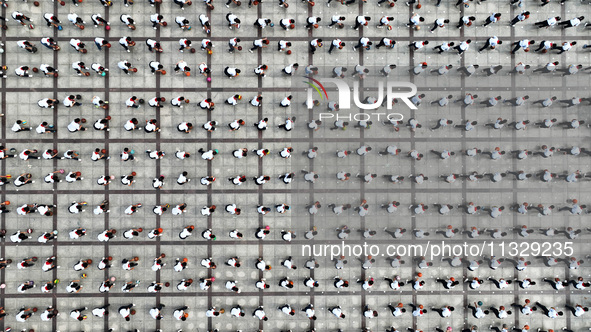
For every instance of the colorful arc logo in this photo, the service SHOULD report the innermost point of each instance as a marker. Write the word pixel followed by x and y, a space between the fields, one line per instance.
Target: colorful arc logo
pixel 316 87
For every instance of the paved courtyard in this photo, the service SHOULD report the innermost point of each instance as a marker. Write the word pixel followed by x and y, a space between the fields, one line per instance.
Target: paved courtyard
pixel 19 96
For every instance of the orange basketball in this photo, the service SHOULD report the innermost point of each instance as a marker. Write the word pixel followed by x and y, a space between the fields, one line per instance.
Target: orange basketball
pixel 6 202
pixel 133 173
pixel 288 52
pixel 108 45
pixel 163 255
pixel 188 73
pixel 134 70
pixel 89 261
pixel 78 173
pixel 419 274
pixel 140 229
pixel 163 72
pixel 135 259
pixel 82 27
pixel 83 51
pixel 87 74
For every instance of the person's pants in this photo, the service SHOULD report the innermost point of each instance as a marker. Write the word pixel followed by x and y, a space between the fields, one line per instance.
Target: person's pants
pixel 542 24
pixel 438 48
pixel 488 21
pixel 100 48
pixel 514 21
pixel 516 48
pixel 487 45
pixel 357 24
pixel 541 46
pixel 332 47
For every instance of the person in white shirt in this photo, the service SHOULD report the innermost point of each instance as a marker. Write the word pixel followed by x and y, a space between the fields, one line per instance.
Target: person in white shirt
pixel 181 314
pixel 260 314
pixel 573 22
pixel 76 125
pixel 182 179
pixel 100 311
pixel 208 155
